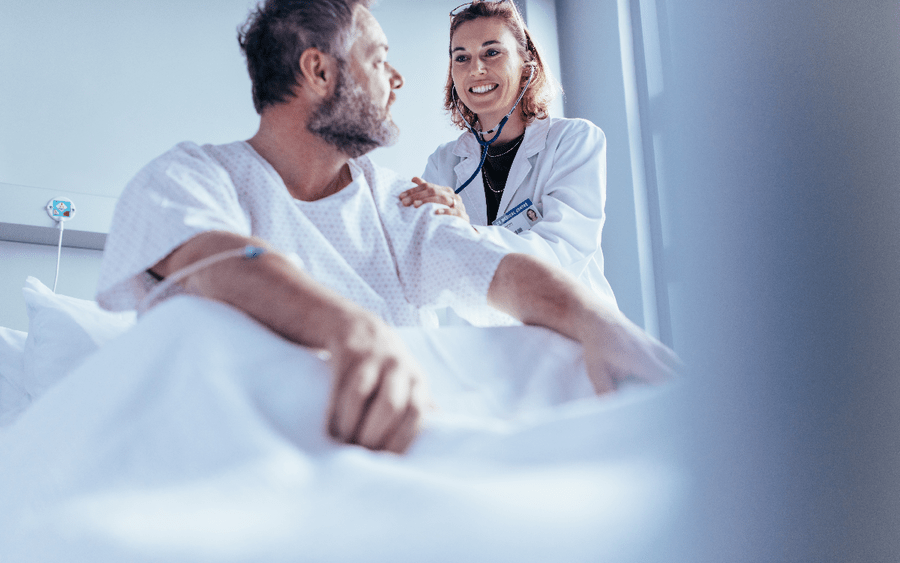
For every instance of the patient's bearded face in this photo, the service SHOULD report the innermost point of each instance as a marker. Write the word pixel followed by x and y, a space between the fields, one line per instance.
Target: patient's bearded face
pixel 351 121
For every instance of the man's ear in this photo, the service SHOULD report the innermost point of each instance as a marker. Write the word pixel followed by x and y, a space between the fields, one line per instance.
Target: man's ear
pixel 319 71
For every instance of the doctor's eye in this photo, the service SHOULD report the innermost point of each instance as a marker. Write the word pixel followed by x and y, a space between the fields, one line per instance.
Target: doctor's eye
pixel 460 58
pixel 492 52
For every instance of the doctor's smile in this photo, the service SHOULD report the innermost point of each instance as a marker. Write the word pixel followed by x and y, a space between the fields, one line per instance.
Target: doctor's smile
pixel 483 89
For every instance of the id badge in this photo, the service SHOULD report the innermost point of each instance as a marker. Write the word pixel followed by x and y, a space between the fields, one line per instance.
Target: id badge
pixel 520 218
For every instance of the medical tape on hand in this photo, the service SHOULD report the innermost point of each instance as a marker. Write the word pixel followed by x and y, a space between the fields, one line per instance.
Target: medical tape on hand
pixel 248 252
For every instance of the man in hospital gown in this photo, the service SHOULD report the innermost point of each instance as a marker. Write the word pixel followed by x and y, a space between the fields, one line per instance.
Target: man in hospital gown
pixel 343 260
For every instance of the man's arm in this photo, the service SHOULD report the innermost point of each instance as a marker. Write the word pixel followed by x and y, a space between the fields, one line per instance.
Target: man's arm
pixel 378 392
pixel 615 349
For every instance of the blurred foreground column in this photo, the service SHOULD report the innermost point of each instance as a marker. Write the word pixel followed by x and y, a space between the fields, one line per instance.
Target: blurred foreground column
pixel 781 186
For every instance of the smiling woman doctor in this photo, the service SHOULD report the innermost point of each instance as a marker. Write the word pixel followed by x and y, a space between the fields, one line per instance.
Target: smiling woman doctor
pixel 530 182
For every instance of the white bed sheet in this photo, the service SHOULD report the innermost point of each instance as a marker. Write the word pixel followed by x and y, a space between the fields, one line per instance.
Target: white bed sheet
pixel 13 397
pixel 198 436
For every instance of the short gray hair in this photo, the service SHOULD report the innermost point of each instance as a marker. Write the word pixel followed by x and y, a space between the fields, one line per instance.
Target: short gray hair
pixel 277 32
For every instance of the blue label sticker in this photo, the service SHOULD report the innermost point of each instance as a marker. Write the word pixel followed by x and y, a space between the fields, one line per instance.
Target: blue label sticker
pixel 61 208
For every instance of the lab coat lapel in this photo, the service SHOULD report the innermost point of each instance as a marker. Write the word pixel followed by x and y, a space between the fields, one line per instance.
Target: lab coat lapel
pixel 473 196
pixel 534 142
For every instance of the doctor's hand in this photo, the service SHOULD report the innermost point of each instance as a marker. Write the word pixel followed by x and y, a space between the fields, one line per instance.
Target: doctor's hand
pixel 426 192
pixel 379 394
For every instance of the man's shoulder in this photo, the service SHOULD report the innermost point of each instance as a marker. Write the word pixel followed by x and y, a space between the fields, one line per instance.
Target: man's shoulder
pixel 200 160
pixel 185 153
pixel 381 179
pixel 184 165
pixel 188 151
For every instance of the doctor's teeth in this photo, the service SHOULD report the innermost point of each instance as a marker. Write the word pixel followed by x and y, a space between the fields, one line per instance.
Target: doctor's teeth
pixel 482 89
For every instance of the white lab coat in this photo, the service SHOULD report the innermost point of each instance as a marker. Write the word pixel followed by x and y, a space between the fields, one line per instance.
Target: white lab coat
pixel 561 167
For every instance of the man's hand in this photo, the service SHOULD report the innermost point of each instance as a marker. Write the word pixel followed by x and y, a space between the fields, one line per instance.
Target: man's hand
pixel 378 394
pixel 615 349
pixel 426 192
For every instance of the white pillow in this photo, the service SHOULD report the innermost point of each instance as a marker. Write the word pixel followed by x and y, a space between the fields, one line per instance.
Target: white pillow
pixel 12 354
pixel 62 332
pixel 13 398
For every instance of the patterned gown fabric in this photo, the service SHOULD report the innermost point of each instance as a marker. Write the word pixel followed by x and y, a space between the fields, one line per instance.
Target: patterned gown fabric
pixel 396 261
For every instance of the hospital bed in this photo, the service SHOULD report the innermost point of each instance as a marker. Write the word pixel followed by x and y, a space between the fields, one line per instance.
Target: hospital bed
pixel 196 434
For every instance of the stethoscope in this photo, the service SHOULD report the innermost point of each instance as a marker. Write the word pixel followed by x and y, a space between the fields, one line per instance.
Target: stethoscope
pixel 479 136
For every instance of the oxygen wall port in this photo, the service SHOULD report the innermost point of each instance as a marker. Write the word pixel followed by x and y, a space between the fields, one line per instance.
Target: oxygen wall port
pixel 60 209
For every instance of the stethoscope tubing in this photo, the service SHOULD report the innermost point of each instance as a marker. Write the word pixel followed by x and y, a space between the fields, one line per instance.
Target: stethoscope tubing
pixel 479 137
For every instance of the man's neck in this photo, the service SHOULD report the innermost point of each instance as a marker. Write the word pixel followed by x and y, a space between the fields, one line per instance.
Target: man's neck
pixel 310 168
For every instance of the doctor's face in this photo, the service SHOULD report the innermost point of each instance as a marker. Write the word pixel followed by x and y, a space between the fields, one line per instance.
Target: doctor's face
pixel 486 68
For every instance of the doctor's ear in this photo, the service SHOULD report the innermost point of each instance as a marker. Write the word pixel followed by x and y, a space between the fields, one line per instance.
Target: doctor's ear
pixel 319 71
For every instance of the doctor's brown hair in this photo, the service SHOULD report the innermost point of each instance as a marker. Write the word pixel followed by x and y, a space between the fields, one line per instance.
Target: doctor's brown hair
pixel 277 32
pixel 536 101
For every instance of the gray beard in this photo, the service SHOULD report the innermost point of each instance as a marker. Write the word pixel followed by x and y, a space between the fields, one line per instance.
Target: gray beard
pixel 350 122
